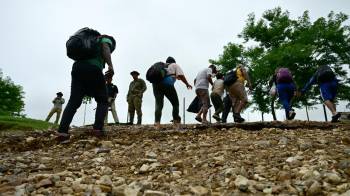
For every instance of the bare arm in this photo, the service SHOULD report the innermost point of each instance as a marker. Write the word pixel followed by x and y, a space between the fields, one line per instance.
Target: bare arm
pixel 210 80
pixel 106 54
pixel 184 80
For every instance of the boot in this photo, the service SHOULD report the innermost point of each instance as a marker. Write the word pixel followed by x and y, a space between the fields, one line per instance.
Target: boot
pixel 131 119
pixel 139 119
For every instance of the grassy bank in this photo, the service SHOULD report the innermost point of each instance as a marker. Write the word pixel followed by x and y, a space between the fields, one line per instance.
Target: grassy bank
pixel 23 124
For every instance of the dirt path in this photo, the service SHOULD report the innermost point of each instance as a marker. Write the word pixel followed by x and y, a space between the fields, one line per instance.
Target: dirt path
pixel 297 158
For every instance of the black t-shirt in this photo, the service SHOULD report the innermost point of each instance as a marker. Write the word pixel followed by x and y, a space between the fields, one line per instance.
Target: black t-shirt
pixel 112 90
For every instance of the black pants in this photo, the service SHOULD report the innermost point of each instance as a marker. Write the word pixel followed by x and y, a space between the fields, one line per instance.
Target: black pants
pixel 227 107
pixel 87 80
pixel 160 90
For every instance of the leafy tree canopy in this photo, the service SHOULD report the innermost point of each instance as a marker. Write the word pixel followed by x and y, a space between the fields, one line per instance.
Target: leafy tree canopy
pixel 11 97
pixel 276 40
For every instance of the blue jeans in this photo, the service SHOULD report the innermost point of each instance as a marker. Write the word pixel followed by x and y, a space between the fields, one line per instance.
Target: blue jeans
pixel 285 93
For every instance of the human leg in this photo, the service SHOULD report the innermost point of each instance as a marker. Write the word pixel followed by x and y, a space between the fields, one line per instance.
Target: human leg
pixel 74 102
pixel 58 115
pixel 227 107
pixel 114 112
pixel 171 94
pixel 138 104
pixel 52 111
pixel 159 97
pixel 131 110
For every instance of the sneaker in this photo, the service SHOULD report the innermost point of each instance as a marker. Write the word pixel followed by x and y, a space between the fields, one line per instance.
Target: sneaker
pixel 62 137
pixel 291 115
pixel 217 117
pixel 98 133
pixel 336 117
pixel 198 118
pixel 237 118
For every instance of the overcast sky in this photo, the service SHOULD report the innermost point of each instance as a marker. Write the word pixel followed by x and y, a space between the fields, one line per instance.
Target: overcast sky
pixel 33 36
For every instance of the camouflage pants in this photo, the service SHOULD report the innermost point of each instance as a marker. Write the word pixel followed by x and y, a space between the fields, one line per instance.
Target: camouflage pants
pixel 135 104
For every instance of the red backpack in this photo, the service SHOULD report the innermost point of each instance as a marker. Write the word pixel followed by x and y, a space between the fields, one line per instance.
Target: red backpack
pixel 284 75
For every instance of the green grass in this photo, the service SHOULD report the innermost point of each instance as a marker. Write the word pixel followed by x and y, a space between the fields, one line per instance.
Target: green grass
pixel 22 124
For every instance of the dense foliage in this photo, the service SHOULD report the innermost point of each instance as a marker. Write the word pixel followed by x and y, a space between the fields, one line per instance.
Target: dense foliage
pixel 299 44
pixel 11 97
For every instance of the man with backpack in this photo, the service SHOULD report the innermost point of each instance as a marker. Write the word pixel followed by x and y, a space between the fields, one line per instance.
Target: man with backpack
pixel 164 86
pixel 328 84
pixel 90 51
pixel 57 107
pixel 134 97
pixel 112 91
pixel 202 81
pixel 237 91
pixel 286 89
pixel 216 96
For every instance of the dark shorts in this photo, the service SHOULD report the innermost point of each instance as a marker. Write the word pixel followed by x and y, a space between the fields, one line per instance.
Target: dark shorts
pixel 329 90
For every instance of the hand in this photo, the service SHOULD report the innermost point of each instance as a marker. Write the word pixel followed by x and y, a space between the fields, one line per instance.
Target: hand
pixel 189 87
pixel 109 72
pixel 297 93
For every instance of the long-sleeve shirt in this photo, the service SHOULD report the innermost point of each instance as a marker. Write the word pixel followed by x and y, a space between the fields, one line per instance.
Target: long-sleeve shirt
pixel 136 88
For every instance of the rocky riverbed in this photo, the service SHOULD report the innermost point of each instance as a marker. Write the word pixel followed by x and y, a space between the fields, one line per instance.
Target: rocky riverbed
pixel 291 158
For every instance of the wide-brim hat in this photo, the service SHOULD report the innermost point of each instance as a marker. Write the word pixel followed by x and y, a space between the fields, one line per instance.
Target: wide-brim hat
pixel 134 73
pixel 59 94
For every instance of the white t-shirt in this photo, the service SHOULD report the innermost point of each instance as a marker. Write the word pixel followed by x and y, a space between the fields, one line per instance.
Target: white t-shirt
pixel 218 87
pixel 174 70
pixel 202 79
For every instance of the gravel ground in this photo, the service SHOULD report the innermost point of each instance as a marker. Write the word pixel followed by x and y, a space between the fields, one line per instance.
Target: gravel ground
pixel 273 158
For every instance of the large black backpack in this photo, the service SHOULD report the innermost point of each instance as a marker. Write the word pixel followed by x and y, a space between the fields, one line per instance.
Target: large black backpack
pixel 324 74
pixel 156 73
pixel 83 44
pixel 230 77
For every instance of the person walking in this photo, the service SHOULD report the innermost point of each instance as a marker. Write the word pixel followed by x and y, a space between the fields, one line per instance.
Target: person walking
pixel 166 88
pixel 216 96
pixel 57 107
pixel 134 97
pixel 90 51
pixel 238 93
pixel 202 81
pixel 328 84
pixel 286 90
pixel 112 91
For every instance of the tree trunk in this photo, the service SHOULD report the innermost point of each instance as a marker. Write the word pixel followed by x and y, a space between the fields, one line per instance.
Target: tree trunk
pixel 273 108
pixel 307 113
pixel 325 113
pixel 262 116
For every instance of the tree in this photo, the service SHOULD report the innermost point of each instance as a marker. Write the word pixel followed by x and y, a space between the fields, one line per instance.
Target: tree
pixel 11 97
pixel 276 40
